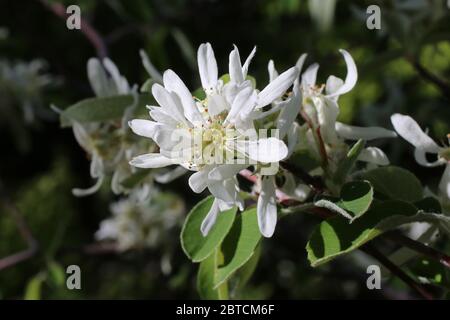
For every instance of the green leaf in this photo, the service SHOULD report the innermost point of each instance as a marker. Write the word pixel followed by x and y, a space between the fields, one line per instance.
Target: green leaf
pixel 194 244
pixel 395 183
pixel 335 236
pixel 33 288
pixel 56 274
pixel 356 197
pixel 244 273
pixel 205 278
pixel 101 109
pixel 348 162
pixel 239 245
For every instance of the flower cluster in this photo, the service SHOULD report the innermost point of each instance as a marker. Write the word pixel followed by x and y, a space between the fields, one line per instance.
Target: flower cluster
pixel 141 225
pixel 225 119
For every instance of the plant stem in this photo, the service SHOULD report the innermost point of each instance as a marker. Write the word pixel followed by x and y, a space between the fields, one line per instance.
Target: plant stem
pixel 395 270
pixel 419 247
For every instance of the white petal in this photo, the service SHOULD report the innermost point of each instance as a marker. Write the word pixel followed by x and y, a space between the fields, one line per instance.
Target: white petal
pixel 289 112
pixel 199 181
pixel 151 160
pixel 247 62
pixel 409 130
pixel 150 68
pixel 243 104
pixel 168 104
pixel 267 207
pixel 421 158
pixel 235 67
pixel 273 73
pixel 169 176
pixel 310 75
pixel 225 171
pixel 82 137
pixel 300 62
pixel 101 84
pixel 374 155
pixel 207 66
pixel 86 192
pixel 160 116
pixel 333 84
pixel 210 218
pixel 96 168
pixel 293 137
pixel 444 185
pixel 327 113
pixel 216 104
pixel 145 128
pixel 365 133
pixel 352 75
pixel 224 190
pixel 264 150
pixel 173 83
pixel 120 82
pixel 278 87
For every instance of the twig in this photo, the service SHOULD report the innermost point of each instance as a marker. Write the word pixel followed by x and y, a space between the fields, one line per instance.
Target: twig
pixel 441 84
pixel 25 233
pixel 419 247
pixel 395 270
pixel 86 28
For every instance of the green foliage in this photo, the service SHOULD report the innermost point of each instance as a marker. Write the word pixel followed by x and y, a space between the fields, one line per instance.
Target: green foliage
pixel 356 197
pixel 194 244
pixel 236 257
pixel 239 245
pixel 102 109
pixel 395 183
pixel 34 287
pixel 206 276
pixel 335 237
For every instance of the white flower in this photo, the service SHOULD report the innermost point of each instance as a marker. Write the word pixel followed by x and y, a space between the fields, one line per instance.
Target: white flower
pixel 100 140
pixel 137 225
pixel 228 107
pixel 320 109
pixel 409 130
pixel 266 205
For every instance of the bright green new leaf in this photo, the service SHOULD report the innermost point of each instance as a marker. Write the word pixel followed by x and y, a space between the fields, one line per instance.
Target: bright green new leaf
pixel 239 245
pixel 395 183
pixel 34 286
pixel 56 274
pixel 194 244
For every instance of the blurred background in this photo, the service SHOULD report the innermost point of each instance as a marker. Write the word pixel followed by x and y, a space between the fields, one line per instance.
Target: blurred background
pixel 403 67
